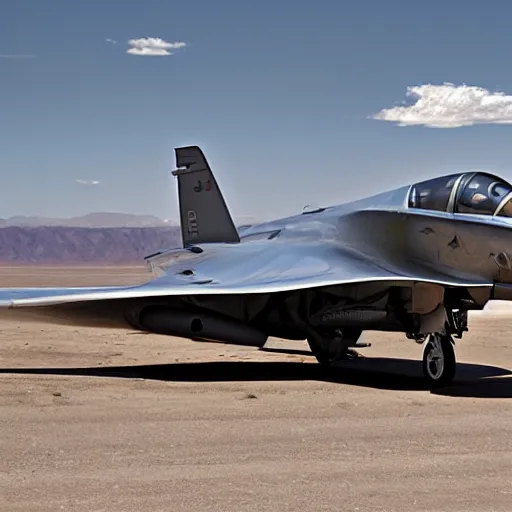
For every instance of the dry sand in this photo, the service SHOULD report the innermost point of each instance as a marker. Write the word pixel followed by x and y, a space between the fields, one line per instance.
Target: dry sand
pixel 103 420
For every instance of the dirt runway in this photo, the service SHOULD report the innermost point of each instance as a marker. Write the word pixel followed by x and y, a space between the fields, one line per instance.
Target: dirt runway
pixel 114 421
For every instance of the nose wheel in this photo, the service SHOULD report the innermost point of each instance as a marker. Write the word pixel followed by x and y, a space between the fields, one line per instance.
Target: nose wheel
pixel 439 361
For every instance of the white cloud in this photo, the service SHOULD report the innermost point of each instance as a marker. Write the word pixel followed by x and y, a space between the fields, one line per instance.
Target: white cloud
pixel 450 106
pixel 111 41
pixel 153 52
pixel 16 56
pixel 153 46
pixel 87 182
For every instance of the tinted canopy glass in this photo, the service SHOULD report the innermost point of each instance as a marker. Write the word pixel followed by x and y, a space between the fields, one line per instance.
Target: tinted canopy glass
pixel 433 194
pixel 481 194
pixel 475 193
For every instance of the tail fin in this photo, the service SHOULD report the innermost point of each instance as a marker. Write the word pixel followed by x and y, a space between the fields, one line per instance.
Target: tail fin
pixel 203 211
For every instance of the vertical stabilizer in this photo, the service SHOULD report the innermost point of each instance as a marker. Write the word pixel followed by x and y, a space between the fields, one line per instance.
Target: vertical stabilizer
pixel 203 211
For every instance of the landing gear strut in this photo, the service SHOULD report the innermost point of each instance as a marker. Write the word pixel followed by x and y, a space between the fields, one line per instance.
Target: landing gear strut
pixel 439 362
pixel 338 346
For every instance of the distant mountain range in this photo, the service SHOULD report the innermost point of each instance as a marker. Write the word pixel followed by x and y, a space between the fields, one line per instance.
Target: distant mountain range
pixel 96 238
pixel 91 220
pixel 71 245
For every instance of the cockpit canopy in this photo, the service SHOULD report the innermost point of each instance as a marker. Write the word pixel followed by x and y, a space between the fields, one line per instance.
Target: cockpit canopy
pixel 476 192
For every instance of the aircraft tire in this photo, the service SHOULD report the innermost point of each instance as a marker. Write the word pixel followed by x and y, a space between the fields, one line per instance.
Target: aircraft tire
pixel 439 361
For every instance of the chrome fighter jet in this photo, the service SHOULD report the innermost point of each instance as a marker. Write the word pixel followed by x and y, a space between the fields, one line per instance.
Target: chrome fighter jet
pixel 412 260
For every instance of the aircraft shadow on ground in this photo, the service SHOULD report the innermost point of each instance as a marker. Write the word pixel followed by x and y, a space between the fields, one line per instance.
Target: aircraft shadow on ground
pixel 472 380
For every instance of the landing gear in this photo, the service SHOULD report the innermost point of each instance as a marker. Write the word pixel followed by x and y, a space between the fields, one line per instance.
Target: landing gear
pixel 439 362
pixel 336 346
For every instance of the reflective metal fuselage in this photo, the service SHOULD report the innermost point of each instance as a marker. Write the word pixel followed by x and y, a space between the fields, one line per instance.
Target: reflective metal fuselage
pixel 475 247
pixel 423 259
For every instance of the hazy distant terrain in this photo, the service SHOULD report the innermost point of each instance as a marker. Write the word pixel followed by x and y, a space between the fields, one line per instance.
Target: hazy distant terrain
pixel 91 220
pixel 87 240
pixel 93 238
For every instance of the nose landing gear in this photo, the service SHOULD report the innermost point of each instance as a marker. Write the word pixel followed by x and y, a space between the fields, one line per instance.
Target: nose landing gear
pixel 439 361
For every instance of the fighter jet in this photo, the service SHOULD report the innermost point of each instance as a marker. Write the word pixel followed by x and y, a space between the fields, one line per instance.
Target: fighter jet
pixel 413 260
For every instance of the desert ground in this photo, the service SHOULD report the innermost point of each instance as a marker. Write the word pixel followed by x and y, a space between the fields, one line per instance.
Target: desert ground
pixel 111 420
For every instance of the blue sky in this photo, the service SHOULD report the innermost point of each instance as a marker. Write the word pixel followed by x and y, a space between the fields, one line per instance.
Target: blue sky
pixel 279 94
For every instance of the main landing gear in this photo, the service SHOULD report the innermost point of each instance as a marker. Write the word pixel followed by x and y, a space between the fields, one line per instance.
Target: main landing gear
pixel 330 347
pixel 439 361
